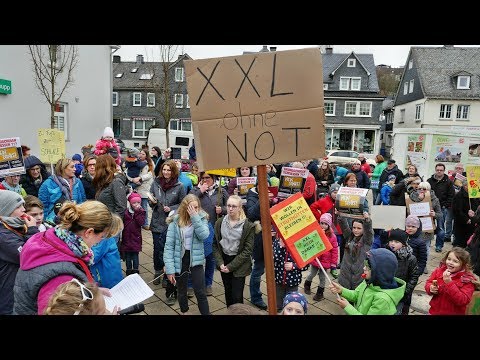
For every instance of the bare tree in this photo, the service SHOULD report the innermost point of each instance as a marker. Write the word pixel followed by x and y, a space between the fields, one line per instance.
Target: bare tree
pixel 164 86
pixel 53 66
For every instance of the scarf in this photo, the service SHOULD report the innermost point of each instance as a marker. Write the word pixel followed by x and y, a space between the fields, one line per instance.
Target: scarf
pixel 14 223
pixel 86 175
pixel 17 188
pixel 64 185
pixel 165 184
pixel 404 252
pixel 76 244
pixel 212 189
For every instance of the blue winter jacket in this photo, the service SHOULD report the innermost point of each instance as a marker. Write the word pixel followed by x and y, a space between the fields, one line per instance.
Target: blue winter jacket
pixel 174 245
pixel 107 267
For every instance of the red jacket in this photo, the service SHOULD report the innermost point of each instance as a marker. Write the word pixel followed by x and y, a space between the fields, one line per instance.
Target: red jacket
pixel 452 298
pixel 325 205
pixel 310 189
pixel 329 258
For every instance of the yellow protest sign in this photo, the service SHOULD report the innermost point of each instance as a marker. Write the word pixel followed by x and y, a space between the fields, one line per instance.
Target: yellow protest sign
pixel 231 172
pixel 473 179
pixel 52 145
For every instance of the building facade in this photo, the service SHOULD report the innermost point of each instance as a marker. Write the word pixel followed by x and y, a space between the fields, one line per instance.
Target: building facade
pixel 84 108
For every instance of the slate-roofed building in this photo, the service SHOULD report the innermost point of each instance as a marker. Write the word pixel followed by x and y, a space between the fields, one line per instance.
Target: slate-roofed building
pixel 353 104
pixel 440 88
pixel 138 101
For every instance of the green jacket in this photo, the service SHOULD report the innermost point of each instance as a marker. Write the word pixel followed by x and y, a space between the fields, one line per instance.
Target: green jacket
pixel 373 300
pixel 378 171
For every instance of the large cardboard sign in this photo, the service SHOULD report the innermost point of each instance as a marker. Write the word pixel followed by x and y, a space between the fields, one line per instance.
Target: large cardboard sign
pixel 52 145
pixel 349 201
pixel 421 210
pixel 292 181
pixel 302 234
pixel 11 158
pixel 473 180
pixel 257 109
pixel 387 217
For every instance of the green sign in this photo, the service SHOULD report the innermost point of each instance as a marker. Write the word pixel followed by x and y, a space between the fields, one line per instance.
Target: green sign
pixel 309 245
pixel 5 86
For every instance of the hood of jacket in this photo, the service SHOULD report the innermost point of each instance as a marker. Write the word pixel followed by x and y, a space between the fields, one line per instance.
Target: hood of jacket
pixel 384 265
pixel 37 251
pixel 31 161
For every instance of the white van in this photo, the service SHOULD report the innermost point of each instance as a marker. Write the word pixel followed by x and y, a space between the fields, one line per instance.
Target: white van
pixel 178 139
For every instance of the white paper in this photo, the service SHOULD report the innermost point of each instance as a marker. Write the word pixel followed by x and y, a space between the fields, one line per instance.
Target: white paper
pixel 130 291
pixel 388 216
pixel 420 209
pixel 427 223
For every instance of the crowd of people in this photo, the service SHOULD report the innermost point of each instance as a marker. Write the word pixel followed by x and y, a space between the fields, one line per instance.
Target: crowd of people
pixel 63 236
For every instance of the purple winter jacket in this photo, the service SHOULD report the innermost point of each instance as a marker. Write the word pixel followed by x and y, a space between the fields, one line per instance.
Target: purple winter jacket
pixel 132 230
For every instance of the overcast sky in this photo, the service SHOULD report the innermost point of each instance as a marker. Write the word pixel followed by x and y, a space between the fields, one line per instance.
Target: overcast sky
pixel 393 55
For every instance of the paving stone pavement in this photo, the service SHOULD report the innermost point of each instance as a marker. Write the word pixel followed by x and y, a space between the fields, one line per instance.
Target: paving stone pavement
pixel 156 305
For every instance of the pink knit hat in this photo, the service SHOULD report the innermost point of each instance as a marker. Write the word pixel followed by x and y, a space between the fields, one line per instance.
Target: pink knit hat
pixel 326 218
pixel 134 197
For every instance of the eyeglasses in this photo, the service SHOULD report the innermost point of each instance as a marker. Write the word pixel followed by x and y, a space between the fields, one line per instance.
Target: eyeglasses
pixel 86 295
pixel 92 164
pixel 232 206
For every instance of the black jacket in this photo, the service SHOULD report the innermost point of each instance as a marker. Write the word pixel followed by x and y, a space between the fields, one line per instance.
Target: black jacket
pixel 27 182
pixel 443 189
pixel 394 171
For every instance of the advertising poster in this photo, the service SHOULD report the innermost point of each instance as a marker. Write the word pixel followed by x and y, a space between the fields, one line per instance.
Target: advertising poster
pixel 292 180
pixel 473 180
pixel 302 234
pixel 11 158
pixel 448 149
pixel 473 151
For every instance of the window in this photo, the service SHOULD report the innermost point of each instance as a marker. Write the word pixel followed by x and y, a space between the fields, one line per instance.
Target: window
pixel 445 111
pixel 351 62
pixel 329 108
pixel 60 118
pixel 410 64
pixel 325 86
pixel 350 83
pixel 137 99
pixel 358 108
pixel 405 88
pixel 402 116
pixel 119 75
pixel 141 127
pixel 150 99
pixel 188 105
pixel 410 89
pixel 181 124
pixel 463 82
pixel 178 100
pixel 146 76
pixel 134 70
pixel 418 111
pixel 115 98
pixel 462 112
pixel 179 74
pixel 364 140
pixel 181 141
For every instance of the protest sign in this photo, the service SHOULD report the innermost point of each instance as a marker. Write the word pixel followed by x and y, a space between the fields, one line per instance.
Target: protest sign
pixel 421 210
pixel 292 180
pixel 52 145
pixel 349 201
pixel 244 184
pixel 388 217
pixel 11 158
pixel 231 172
pixel 257 108
pixel 473 180
pixel 302 234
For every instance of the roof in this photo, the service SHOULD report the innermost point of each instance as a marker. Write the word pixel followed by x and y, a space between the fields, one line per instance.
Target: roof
pixel 437 68
pixel 332 61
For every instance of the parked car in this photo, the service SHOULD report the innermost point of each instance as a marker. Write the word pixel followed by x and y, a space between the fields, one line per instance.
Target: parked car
pixel 341 157
pixel 122 146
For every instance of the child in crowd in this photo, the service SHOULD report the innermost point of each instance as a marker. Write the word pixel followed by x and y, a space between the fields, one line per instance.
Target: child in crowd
pixel 193 174
pixel 387 189
pixel 380 291
pixel 294 303
pixel 407 266
pixel 76 298
pixel 131 245
pixel 413 228
pixel 287 274
pixel 77 160
pixel 107 145
pixel 34 208
pixel 134 166
pixel 328 259
pixel 451 284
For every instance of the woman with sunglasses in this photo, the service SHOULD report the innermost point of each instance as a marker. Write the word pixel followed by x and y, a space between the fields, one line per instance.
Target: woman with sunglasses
pixel 232 249
pixel 59 254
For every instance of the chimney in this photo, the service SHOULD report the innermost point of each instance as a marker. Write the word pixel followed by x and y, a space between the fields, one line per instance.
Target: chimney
pixel 139 59
pixel 117 59
pixel 264 48
pixel 329 49
pixel 179 56
pixel 273 48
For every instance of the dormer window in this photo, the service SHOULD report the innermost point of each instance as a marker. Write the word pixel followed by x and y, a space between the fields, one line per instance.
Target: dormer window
pixel 351 62
pixel 119 75
pixel 146 76
pixel 134 70
pixel 463 82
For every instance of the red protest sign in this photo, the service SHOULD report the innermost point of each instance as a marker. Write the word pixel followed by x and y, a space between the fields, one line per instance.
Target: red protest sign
pixel 302 234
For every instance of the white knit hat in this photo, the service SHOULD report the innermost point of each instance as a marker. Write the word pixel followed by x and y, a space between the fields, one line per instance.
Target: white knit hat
pixel 9 201
pixel 108 132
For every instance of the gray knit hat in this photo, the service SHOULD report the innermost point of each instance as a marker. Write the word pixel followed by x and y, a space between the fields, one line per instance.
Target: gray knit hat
pixel 9 201
pixel 333 187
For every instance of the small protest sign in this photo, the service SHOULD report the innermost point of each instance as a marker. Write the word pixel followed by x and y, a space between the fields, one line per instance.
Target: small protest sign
pixel 11 158
pixel 422 210
pixel 292 180
pixel 473 181
pixel 52 145
pixel 349 201
pixel 231 172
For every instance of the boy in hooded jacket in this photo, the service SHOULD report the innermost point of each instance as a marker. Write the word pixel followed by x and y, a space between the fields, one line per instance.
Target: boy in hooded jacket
pixel 380 291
